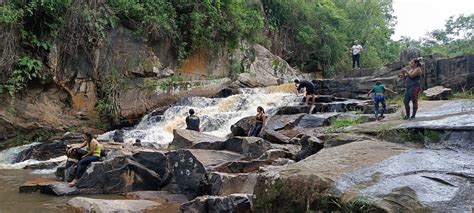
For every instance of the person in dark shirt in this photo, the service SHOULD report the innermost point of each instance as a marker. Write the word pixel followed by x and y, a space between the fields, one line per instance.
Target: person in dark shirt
pixel 192 121
pixel 412 87
pixel 260 121
pixel 309 90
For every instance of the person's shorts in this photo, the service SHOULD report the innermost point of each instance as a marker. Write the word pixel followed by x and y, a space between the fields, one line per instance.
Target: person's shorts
pixel 310 92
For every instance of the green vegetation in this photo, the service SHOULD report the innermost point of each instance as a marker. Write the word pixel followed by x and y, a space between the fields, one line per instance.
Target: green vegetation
pixel 342 122
pixel 420 136
pixel 170 82
pixel 455 39
pixel 336 204
pixel 467 94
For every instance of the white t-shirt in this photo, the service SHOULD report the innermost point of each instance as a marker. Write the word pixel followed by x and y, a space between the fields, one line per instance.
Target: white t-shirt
pixel 356 49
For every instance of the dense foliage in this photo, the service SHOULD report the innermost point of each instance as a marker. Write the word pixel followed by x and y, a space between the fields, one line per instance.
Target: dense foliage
pixel 456 39
pixel 309 34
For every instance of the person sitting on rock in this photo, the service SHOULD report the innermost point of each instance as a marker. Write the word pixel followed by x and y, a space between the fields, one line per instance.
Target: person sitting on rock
pixel 260 122
pixel 379 98
pixel 192 121
pixel 309 90
pixel 93 154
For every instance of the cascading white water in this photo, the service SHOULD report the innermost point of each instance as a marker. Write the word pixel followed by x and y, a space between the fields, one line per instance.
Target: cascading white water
pixel 7 157
pixel 216 114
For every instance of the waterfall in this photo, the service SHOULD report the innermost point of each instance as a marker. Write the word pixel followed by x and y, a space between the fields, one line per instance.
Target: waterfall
pixel 216 114
pixel 7 157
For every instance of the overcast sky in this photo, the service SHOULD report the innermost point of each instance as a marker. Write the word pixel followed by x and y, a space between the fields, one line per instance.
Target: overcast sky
pixel 417 17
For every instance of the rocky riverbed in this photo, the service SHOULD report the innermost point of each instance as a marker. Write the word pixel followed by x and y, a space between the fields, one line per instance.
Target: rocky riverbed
pixel 302 163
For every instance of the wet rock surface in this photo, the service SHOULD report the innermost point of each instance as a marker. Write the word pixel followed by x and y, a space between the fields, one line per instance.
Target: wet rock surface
pixel 439 178
pixel 43 151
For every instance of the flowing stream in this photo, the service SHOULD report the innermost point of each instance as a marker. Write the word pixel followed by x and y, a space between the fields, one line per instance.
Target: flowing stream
pixel 216 114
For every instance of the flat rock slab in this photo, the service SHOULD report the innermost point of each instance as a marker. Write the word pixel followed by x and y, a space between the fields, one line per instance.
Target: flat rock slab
pixel 446 108
pixel 214 157
pixel 440 179
pixel 455 122
pixel 279 122
pixel 239 203
pixel 58 189
pixel 158 196
pixel 316 120
pixel 223 184
pixel 192 139
pixel 100 205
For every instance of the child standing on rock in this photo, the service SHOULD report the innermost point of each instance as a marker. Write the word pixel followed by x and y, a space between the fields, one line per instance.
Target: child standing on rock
pixel 379 98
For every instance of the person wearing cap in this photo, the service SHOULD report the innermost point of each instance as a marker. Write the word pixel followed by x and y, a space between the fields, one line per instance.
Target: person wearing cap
pixel 192 121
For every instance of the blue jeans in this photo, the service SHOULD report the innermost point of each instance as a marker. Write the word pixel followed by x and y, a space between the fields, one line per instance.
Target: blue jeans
pixel 255 131
pixel 379 98
pixel 84 162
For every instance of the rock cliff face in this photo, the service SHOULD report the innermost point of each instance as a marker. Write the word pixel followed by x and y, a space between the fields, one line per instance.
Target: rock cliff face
pixel 132 76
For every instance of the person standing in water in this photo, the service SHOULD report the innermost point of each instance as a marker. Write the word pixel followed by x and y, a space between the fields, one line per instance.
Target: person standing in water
pixel 379 98
pixel 310 90
pixel 93 154
pixel 260 122
pixel 412 87
pixel 192 121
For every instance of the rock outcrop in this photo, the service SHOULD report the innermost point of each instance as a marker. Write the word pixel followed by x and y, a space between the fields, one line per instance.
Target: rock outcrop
pixel 83 204
pixel 238 203
pixel 437 93
pixel 192 139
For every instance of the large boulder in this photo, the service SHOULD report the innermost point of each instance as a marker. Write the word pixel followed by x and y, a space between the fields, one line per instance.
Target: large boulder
pixel 119 174
pixel 42 152
pixel 82 204
pixel 309 145
pixel 188 174
pixel 243 126
pixel 275 137
pixel 303 185
pixel 223 184
pixel 237 203
pixel 251 147
pixel 184 138
pixel 279 122
pixel 211 158
pixel 155 161
pixel 437 93
pixel 261 67
pixel 317 120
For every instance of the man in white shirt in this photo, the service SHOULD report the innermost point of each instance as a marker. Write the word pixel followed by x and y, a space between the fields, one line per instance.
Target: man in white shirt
pixel 356 50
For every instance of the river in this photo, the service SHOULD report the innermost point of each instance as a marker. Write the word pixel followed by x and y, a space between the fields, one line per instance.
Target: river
pixel 217 115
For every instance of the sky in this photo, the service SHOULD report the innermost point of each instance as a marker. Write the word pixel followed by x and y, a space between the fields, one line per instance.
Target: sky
pixel 417 17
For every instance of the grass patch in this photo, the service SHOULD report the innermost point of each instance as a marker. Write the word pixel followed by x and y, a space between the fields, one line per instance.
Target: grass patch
pixel 334 204
pixel 342 122
pixel 466 94
pixel 420 136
